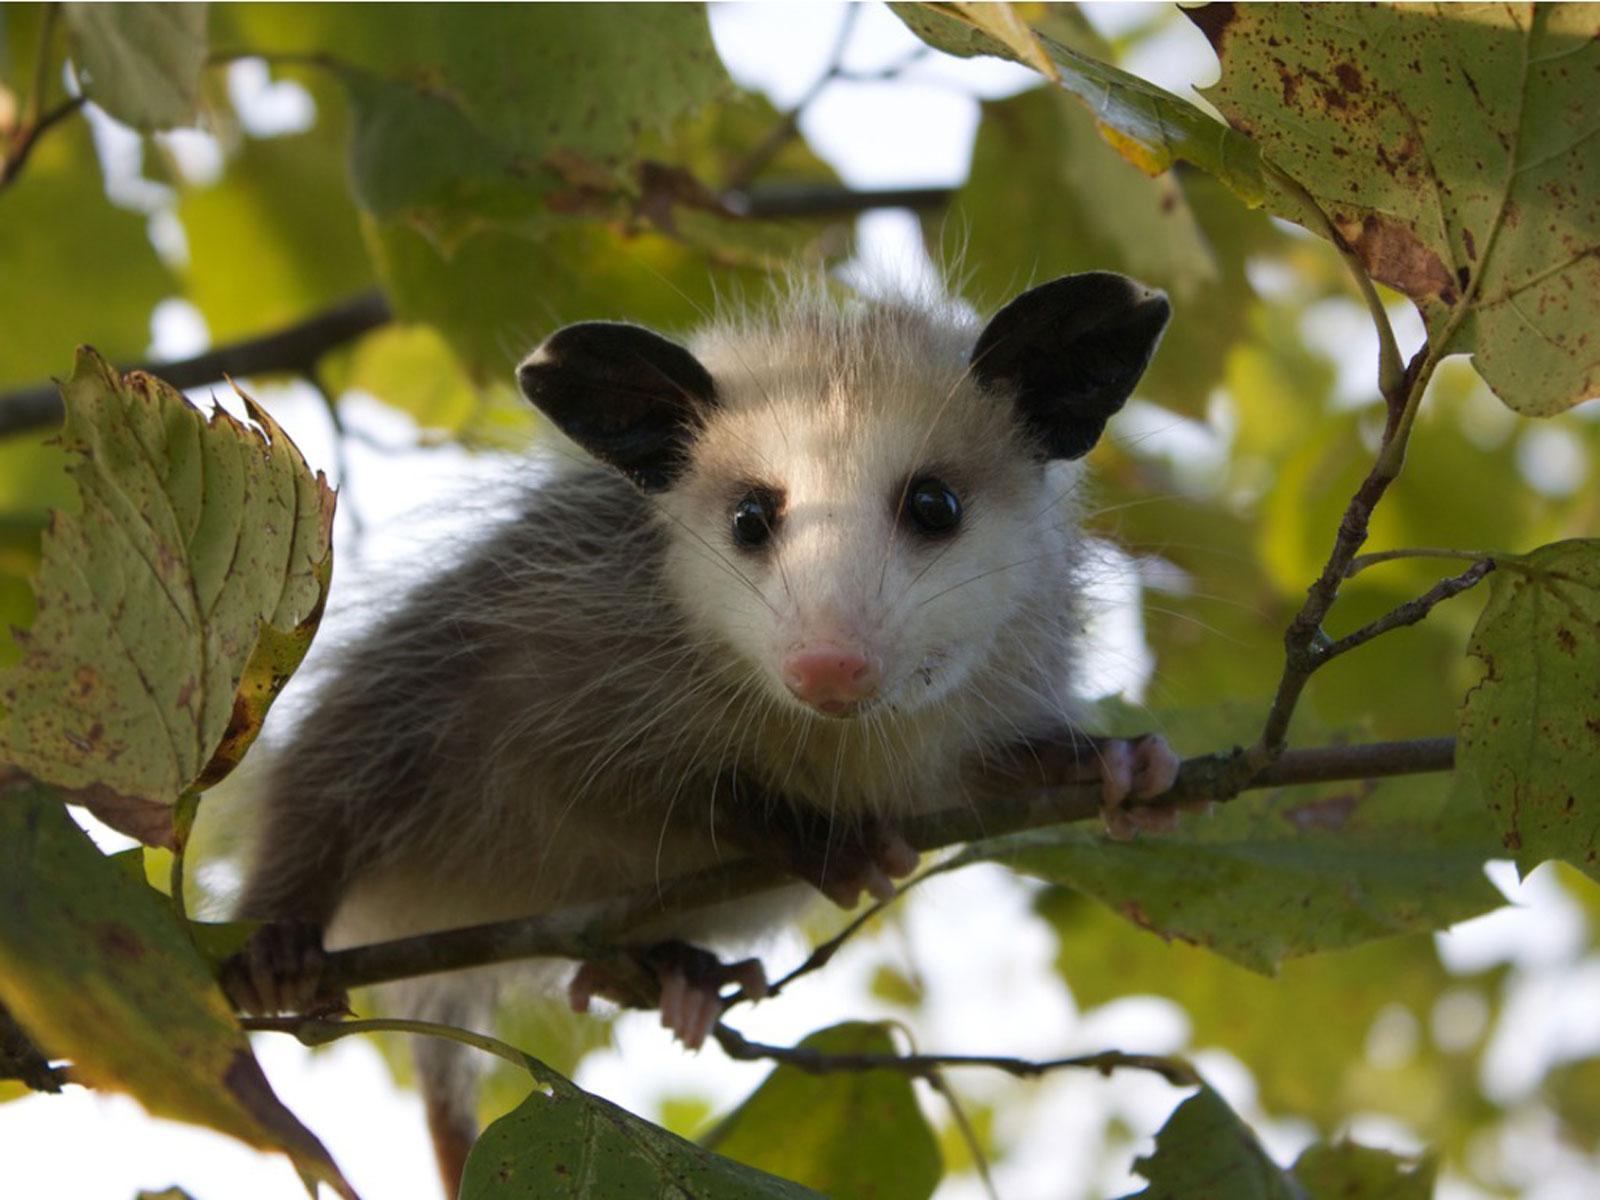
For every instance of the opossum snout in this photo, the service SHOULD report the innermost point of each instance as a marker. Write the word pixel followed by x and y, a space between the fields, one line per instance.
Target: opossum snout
pixel 829 678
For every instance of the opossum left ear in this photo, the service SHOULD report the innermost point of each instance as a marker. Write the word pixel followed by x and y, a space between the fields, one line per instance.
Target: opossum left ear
pixel 630 397
pixel 1069 353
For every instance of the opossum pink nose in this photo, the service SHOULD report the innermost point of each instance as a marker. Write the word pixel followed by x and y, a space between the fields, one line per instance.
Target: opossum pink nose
pixel 829 678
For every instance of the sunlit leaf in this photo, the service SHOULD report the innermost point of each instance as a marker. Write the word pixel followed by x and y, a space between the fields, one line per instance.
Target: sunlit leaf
pixel 173 607
pixel 89 270
pixel 276 237
pixel 1530 731
pixel 845 1133
pixel 1454 150
pixel 140 62
pixel 96 970
pixel 497 295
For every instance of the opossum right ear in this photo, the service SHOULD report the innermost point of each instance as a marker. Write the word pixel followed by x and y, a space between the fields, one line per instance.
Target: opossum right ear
pixel 630 397
pixel 1069 353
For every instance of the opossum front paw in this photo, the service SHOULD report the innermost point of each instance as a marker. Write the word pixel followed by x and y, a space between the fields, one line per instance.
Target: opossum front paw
pixel 1139 769
pixel 840 857
pixel 868 862
pixel 690 982
pixel 280 971
pixel 866 855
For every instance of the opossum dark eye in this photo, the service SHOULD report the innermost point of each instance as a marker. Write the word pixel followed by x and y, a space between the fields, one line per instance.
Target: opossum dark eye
pixel 754 518
pixel 930 506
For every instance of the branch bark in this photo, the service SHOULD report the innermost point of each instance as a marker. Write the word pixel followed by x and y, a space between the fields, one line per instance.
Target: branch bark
pixel 920 1066
pixel 295 348
pixel 592 930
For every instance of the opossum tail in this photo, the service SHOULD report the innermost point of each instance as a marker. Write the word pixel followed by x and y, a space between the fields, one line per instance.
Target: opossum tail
pixel 449 1075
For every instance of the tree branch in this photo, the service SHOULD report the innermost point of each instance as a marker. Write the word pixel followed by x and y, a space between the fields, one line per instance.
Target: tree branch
pixel 295 348
pixel 828 200
pixel 591 930
pixel 921 1066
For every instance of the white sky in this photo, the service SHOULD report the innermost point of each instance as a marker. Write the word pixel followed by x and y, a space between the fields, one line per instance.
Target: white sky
pixel 989 993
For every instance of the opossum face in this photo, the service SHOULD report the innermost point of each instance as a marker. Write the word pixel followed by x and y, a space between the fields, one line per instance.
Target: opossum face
pixel 857 504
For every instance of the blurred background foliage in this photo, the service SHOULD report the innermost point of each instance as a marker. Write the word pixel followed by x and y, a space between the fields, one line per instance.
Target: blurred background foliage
pixel 333 150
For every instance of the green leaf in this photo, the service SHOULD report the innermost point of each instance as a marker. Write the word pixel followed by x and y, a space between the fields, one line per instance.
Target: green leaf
pixel 846 1133
pixel 481 299
pixel 173 608
pixel 1205 1152
pixel 1281 873
pixel 91 274
pixel 1347 1171
pixel 1150 127
pixel 562 1142
pixel 285 202
pixel 1454 151
pixel 1530 731
pixel 140 62
pixel 96 970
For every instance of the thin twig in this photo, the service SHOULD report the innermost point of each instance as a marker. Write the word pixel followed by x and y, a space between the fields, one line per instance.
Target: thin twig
pixel 27 137
pixel 592 930
pixel 781 134
pixel 1411 611
pixel 736 1046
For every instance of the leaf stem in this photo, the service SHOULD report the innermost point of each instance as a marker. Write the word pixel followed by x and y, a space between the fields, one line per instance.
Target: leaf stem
pixel 1411 611
pixel 1391 371
pixel 1361 562
pixel 319 1031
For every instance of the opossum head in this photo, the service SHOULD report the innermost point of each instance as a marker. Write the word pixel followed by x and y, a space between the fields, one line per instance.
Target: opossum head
pixel 857 501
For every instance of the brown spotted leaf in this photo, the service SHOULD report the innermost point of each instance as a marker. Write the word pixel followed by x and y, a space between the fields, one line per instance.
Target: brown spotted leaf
pixel 97 972
pixel 172 607
pixel 1530 731
pixel 1456 148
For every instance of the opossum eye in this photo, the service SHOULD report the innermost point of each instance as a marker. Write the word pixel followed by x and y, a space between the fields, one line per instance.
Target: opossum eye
pixel 931 506
pixel 754 518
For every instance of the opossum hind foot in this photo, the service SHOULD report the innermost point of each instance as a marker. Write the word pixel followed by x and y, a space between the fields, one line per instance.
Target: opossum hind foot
pixel 280 971
pixel 690 982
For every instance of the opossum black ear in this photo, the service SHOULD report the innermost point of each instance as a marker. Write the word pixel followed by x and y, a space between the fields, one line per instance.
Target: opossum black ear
pixel 1070 352
pixel 628 396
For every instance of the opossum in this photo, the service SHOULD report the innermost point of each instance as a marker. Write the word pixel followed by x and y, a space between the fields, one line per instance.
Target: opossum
pixel 798 577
